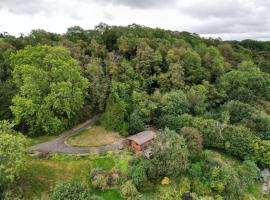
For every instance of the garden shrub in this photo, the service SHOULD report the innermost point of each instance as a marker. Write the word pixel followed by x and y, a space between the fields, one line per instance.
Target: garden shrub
pixel 248 173
pixel 129 190
pixel 70 191
pixel 138 172
pixel 13 149
pixel 262 152
pixel 100 182
pixel 184 185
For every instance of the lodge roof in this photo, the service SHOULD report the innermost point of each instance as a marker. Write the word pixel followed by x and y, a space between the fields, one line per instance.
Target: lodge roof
pixel 142 137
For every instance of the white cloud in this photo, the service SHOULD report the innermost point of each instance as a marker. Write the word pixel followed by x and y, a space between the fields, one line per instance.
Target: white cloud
pixel 230 19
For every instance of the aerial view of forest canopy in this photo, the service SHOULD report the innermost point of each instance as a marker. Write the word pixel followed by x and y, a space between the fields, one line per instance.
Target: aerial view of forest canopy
pixel 207 100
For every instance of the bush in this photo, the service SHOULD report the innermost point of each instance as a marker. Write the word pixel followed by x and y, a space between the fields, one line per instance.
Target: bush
pixel 69 191
pixel 238 110
pixel 100 182
pixel 138 173
pixel 193 140
pixel 13 148
pixel 248 173
pixel 262 152
pixel 184 185
pixel 129 191
pixel 239 141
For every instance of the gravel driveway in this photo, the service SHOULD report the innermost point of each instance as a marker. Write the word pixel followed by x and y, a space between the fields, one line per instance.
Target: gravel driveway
pixel 58 145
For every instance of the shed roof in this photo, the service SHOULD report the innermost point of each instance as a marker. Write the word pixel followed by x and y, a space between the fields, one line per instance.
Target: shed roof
pixel 142 137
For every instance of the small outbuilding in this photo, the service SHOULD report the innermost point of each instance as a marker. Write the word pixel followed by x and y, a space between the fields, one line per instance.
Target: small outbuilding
pixel 140 141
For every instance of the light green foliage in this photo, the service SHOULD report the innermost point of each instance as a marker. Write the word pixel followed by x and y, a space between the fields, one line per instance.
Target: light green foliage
pixel 100 182
pixel 51 89
pixel 129 191
pixel 7 127
pixel 184 185
pixel 169 192
pixel 170 155
pixel 13 148
pixel 69 190
pixel 262 151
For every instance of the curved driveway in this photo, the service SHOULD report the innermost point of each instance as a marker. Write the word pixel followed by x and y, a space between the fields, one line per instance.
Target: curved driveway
pixel 58 145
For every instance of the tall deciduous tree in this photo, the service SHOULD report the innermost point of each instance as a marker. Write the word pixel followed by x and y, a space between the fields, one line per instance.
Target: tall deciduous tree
pixel 51 89
pixel 170 154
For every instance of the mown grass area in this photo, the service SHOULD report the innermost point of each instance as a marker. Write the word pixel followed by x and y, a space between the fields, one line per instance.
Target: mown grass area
pixel 40 139
pixel 40 176
pixel 93 137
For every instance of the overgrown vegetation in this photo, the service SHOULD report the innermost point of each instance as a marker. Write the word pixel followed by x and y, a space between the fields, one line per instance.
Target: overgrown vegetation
pixel 202 94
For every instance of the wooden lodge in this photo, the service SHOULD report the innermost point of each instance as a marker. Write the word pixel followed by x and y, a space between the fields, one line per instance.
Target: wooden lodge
pixel 140 141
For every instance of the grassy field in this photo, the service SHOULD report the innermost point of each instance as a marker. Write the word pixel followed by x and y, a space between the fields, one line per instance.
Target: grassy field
pixel 93 137
pixel 37 140
pixel 41 175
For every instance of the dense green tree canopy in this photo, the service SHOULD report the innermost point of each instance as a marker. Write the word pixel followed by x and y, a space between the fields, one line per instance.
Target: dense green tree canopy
pixel 51 88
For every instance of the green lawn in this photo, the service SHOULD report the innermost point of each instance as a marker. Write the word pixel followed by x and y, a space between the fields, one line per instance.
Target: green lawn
pixel 93 137
pixel 41 175
pixel 40 139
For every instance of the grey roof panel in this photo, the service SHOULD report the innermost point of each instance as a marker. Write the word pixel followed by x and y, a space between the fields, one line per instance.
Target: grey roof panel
pixel 142 137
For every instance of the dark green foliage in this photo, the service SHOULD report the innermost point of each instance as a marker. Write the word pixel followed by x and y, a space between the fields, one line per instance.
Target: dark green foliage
pixel 98 84
pixel 7 91
pixel 245 83
pixel 193 67
pixel 211 175
pixel 193 140
pixel 238 111
pixel 114 117
pixel 238 141
pixel 174 103
pixel 138 172
pixel 135 123
pixel 170 155
pixel 70 191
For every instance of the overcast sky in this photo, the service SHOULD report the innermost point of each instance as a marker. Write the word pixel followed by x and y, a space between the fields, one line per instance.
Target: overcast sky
pixel 228 19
